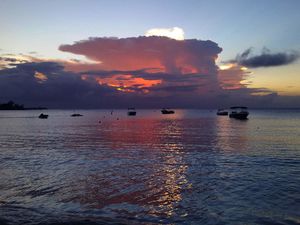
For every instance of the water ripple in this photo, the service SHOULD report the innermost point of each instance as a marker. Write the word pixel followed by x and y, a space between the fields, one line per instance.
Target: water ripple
pixel 187 168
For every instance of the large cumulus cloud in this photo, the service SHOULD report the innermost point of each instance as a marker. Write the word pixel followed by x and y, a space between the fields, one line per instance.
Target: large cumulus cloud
pixel 165 54
pixel 145 62
pixel 149 72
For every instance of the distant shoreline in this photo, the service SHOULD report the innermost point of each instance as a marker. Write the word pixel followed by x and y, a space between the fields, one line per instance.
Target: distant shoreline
pixel 13 106
pixel 175 108
pixel 39 108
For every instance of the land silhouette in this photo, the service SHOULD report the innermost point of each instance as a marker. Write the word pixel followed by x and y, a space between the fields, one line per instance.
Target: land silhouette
pixel 10 105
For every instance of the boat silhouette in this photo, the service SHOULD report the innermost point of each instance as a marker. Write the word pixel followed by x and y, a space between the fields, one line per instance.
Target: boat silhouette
pixel 43 116
pixel 222 112
pixel 239 112
pixel 167 111
pixel 131 112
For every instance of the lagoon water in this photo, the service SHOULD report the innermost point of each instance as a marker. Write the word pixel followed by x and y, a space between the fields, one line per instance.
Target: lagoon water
pixel 188 168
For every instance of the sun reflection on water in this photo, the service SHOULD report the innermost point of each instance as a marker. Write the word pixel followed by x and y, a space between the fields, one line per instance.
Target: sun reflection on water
pixel 173 173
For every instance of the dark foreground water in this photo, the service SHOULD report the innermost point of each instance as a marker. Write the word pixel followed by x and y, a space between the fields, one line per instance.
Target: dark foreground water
pixel 189 168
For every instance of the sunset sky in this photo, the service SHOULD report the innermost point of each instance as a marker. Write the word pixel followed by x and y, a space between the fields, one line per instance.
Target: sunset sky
pixel 150 54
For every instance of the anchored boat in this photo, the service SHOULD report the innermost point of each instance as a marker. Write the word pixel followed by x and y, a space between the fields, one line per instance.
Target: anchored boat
pixel 131 112
pixel 167 111
pixel 43 116
pixel 222 112
pixel 239 112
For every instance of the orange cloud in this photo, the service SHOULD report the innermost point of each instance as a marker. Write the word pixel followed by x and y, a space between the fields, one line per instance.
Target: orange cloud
pixel 128 82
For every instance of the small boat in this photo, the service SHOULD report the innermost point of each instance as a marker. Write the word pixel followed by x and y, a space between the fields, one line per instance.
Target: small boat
pixel 131 112
pixel 76 115
pixel 222 112
pixel 43 116
pixel 239 112
pixel 167 111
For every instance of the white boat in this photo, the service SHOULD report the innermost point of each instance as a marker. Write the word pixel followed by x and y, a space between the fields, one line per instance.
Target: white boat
pixel 131 112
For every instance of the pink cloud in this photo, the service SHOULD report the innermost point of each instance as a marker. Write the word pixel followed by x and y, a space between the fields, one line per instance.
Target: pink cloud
pixel 150 54
pixel 169 55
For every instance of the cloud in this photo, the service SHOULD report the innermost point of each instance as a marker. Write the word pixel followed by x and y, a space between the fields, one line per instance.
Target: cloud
pixel 148 72
pixel 10 60
pixel 232 77
pixel 32 53
pixel 265 59
pixel 174 33
pixel 134 53
pixel 151 61
pixel 47 84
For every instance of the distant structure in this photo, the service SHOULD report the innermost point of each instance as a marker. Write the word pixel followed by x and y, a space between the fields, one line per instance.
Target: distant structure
pixel 11 106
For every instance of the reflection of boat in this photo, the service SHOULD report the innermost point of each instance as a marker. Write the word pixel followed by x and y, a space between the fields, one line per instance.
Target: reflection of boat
pixel 239 112
pixel 222 112
pixel 167 111
pixel 43 116
pixel 131 112
pixel 76 114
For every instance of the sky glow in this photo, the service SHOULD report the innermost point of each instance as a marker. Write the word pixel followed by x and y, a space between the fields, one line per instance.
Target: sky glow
pixel 193 52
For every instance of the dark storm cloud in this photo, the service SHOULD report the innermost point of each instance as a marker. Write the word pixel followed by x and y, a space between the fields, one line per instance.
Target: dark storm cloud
pixel 43 67
pixel 61 89
pixel 68 90
pixel 265 59
pixel 174 89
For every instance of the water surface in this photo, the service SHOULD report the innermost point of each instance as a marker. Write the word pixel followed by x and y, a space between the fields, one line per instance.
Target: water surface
pixel 192 167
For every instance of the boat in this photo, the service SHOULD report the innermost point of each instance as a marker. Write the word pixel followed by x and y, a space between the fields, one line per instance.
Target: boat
pixel 167 111
pixel 43 116
pixel 239 112
pixel 131 112
pixel 222 112
pixel 76 115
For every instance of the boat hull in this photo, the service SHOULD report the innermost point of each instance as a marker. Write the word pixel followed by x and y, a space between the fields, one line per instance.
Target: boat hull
pixel 75 115
pixel 43 117
pixel 131 113
pixel 222 113
pixel 240 115
pixel 167 112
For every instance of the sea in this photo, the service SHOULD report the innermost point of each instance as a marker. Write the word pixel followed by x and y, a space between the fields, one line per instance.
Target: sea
pixel 191 167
